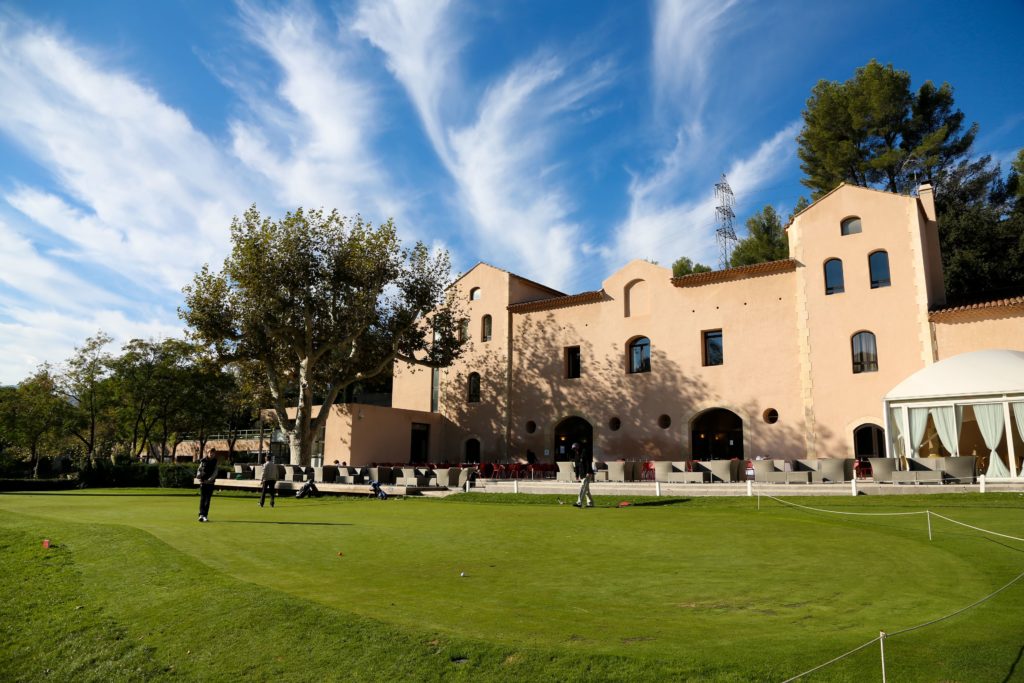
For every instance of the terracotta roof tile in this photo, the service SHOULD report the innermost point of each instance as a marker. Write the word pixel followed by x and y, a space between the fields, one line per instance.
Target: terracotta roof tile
pixel 558 302
pixel 945 313
pixel 740 273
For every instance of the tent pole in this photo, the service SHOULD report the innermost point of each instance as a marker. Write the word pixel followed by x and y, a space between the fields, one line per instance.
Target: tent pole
pixel 1014 470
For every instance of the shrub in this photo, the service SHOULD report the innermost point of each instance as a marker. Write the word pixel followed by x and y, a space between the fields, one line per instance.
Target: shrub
pixel 176 476
pixel 104 473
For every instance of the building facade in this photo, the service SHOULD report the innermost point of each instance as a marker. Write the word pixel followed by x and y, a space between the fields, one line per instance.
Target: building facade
pixel 788 359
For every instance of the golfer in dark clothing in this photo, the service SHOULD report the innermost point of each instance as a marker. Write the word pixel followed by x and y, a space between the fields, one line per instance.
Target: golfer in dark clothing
pixel 269 481
pixel 585 472
pixel 207 476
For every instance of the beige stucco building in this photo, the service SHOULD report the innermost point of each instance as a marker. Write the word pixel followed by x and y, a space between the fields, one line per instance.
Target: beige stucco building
pixel 788 359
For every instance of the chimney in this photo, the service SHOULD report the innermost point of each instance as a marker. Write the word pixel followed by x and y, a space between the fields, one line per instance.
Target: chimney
pixel 926 196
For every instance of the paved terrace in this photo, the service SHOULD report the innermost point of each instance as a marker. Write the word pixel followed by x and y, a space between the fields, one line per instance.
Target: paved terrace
pixel 644 488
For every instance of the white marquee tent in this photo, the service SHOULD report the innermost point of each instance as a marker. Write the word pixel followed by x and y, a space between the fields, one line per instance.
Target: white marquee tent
pixel 990 382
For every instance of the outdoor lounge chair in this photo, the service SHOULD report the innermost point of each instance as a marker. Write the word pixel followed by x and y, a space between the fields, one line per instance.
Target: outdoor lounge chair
pixel 326 474
pixel 662 469
pixel 920 470
pixel 616 470
pixel 960 470
pixel 243 472
pixel 882 469
pixel 681 474
pixel 829 470
pixel 294 473
pixel 765 471
pixel 566 471
pixel 718 470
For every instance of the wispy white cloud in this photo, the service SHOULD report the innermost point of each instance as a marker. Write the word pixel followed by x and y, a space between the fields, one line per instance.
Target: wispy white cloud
pixel 501 161
pixel 668 214
pixel 137 195
pixel 684 33
pixel 313 139
pixel 145 178
pixel 421 42
pixel 657 226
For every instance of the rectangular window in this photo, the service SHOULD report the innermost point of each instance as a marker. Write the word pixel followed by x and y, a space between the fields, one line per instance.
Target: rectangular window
pixel 713 352
pixel 435 389
pixel 572 362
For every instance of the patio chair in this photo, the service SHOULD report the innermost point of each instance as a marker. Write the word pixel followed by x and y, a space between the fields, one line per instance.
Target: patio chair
pixel 882 470
pixel 921 470
pixel 765 471
pixel 565 471
pixel 681 473
pixel 960 470
pixel 662 469
pixel 616 470
pixel 718 470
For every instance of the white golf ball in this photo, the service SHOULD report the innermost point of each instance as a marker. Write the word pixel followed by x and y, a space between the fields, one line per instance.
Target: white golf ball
pixel 462 573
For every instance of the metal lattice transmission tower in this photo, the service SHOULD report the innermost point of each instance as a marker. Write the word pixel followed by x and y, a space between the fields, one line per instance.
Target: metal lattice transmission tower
pixel 724 216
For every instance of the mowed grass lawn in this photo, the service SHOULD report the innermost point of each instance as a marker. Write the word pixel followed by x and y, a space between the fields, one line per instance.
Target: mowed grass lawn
pixel 341 589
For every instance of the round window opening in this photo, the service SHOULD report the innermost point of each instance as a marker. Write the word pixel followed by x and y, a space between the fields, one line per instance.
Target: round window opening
pixel 771 416
pixel 614 424
pixel 531 427
pixel 664 421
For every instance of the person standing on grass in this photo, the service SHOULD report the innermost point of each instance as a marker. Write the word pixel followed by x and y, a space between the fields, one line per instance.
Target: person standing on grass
pixel 207 476
pixel 268 481
pixel 585 472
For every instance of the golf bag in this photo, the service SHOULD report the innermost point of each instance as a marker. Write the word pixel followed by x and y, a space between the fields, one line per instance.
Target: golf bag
pixel 308 489
pixel 376 491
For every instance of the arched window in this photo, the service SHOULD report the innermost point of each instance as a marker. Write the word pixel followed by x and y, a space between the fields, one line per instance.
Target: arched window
pixel 850 226
pixel 485 328
pixel 474 294
pixel 865 353
pixel 878 264
pixel 640 355
pixel 833 276
pixel 473 388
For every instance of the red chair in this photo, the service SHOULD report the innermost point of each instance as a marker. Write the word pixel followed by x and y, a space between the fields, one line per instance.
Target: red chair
pixel 499 472
pixel 648 471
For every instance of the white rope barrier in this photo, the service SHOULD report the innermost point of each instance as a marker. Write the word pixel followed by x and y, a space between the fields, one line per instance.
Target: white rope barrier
pixel 882 634
pixel 976 528
pixel 845 512
pixel 833 661
pixel 961 610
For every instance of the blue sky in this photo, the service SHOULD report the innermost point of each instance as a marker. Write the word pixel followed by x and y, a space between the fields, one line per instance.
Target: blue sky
pixel 557 140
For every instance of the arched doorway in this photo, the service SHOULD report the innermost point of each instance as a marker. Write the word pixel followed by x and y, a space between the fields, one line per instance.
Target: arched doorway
pixel 868 442
pixel 573 430
pixel 472 450
pixel 717 434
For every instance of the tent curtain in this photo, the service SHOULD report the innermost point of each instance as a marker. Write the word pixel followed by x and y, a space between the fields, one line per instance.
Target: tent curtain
pixel 990 422
pixel 1018 417
pixel 918 421
pixel 898 430
pixel 948 420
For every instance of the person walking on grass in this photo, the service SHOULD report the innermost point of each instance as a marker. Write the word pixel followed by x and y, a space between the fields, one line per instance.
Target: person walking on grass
pixel 207 476
pixel 585 472
pixel 268 481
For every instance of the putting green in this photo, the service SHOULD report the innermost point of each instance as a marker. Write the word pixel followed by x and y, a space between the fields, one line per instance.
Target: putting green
pixel 715 585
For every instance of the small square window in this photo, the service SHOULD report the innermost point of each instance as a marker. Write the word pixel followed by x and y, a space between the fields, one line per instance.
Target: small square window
pixel 572 362
pixel 713 351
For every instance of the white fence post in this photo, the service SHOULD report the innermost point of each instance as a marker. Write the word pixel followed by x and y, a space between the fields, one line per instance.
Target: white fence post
pixel 881 643
pixel 981 481
pixel 657 489
pixel 750 489
pixel 853 486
